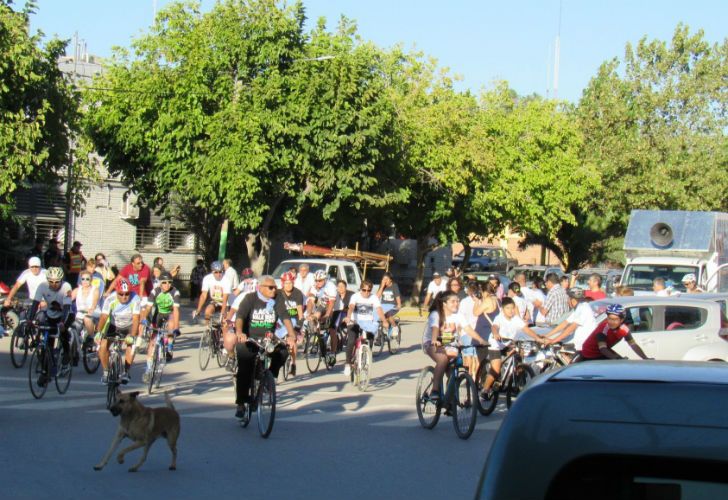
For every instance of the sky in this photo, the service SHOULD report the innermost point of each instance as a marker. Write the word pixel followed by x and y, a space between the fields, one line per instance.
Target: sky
pixel 481 41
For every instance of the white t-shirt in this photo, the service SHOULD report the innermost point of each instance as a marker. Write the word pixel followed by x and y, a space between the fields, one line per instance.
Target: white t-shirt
pixel 304 285
pixel 365 308
pixel 32 281
pixel 466 311
pixel 583 316
pixel 324 294
pixel 522 306
pixel 433 288
pixel 536 295
pixel 54 299
pixel 232 276
pixel 246 286
pixel 507 329
pixel 451 327
pixel 216 288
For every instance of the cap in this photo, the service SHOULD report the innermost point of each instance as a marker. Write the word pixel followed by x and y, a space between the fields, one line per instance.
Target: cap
pixel 689 278
pixel 34 262
pixel 493 277
pixel 77 244
pixel 435 274
pixel 165 276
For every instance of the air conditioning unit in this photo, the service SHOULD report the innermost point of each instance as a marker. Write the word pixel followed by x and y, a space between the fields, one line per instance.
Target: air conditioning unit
pixel 129 209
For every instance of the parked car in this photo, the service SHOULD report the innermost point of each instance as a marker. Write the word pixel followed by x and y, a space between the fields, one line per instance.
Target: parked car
pixel 335 269
pixel 614 429
pixel 673 328
pixel 610 278
pixel 533 272
pixel 484 259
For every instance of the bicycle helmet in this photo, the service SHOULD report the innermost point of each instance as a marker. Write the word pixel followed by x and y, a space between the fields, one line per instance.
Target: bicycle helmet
pixel 287 277
pixel 216 266
pixel 319 275
pixel 247 273
pixel 54 274
pixel 165 276
pixel 123 285
pixel 616 310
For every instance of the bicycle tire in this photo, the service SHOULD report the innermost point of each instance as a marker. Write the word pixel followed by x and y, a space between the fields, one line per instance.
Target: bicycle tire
pixel 330 358
pixel 161 363
pixel 19 342
pixel 364 367
pixel 90 357
pixel 64 372
pixel 220 352
pixel 204 349
pixel 113 381
pixel 522 375
pixel 486 405
pixel 287 368
pixel 266 398
pixel 428 412
pixel 395 339
pixel 464 406
pixel 381 338
pixel 153 370
pixel 38 362
pixel 312 353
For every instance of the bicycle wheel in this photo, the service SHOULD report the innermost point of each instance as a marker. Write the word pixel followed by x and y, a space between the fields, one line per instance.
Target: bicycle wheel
pixel 38 365
pixel 427 411
pixel 64 371
pixel 521 377
pixel 464 405
pixel 364 366
pixel 266 398
pixel 220 352
pixel 379 340
pixel 395 339
pixel 90 356
pixel 153 371
pixel 312 352
pixel 113 381
pixel 161 363
pixel 19 343
pixel 330 358
pixel 287 368
pixel 204 349
pixel 486 402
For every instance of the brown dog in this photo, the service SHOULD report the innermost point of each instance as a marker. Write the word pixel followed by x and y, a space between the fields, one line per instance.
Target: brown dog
pixel 143 425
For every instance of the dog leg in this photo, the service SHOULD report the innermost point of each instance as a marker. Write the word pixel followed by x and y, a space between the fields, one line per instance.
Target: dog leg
pixel 144 456
pixel 172 442
pixel 114 443
pixel 134 446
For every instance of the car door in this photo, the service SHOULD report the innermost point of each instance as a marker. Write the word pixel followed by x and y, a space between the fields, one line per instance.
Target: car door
pixel 352 277
pixel 683 327
pixel 642 324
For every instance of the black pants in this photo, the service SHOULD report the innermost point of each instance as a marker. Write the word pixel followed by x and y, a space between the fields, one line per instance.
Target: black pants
pixel 352 332
pixel 65 336
pixel 246 353
pixel 195 290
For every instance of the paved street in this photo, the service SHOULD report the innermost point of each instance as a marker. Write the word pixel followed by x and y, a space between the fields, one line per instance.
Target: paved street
pixel 329 439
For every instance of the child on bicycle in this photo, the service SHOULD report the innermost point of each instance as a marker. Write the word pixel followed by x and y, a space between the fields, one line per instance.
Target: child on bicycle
pixel 444 327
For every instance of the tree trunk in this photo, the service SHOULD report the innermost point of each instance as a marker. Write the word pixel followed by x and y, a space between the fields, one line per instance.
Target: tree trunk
pixel 258 244
pixel 423 248
pixel 467 252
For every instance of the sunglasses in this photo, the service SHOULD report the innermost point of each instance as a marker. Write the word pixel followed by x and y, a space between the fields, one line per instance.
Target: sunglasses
pixel 269 287
pixel 366 289
pixel 85 279
pixel 122 294
pixel 216 272
pixel 165 282
pixel 54 282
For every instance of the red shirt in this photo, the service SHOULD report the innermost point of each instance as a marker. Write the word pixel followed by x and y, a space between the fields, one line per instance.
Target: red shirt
pixel 590 348
pixel 598 295
pixel 135 278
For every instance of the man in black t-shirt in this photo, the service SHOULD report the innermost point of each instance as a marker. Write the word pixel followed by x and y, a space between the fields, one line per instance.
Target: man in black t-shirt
pixel 293 302
pixel 257 316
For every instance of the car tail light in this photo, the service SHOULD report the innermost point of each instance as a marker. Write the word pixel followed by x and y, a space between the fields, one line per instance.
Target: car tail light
pixel 723 332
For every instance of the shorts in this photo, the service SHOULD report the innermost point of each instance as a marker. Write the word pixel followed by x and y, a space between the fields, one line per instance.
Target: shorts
pixel 114 331
pixel 158 318
pixel 497 353
pixel 218 305
pixel 389 310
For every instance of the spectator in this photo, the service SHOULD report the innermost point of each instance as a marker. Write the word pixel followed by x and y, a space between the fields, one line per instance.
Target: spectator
pixel 436 286
pixel 230 273
pixel 138 274
pixel 658 286
pixel 494 280
pixel 557 302
pixel 514 292
pixel 198 274
pixel 159 262
pixel 37 250
pixel 52 256
pixel 565 282
pixel 102 266
pixel 624 291
pixel 690 283
pixel 304 281
pixel 74 262
pixel 595 291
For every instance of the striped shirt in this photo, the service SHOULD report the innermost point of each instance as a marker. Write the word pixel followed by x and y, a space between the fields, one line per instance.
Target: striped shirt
pixel 556 305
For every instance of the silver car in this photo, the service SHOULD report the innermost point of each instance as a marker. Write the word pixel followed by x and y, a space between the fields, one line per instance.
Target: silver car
pixel 673 328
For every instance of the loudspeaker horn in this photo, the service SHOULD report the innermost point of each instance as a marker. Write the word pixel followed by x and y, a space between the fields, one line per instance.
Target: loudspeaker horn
pixel 661 234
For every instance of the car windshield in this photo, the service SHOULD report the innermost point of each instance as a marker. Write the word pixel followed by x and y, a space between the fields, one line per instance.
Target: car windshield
pixel 284 266
pixel 640 276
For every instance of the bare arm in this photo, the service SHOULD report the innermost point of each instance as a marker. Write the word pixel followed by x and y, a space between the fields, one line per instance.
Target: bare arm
pixel 635 347
pixel 604 349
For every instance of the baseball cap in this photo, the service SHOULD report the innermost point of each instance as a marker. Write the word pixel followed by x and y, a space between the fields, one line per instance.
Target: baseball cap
pixel 435 274
pixel 34 262
pixel 690 277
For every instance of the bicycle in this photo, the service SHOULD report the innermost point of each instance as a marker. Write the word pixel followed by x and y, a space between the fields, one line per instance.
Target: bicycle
pixel 211 342
pixel 392 336
pixel 515 374
pixel 551 357
pixel 159 355
pixel 459 399
pixel 316 348
pixel 361 371
pixel 45 363
pixel 14 321
pixel 264 386
pixel 117 349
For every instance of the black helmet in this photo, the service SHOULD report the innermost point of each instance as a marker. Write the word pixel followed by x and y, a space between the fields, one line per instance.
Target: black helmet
pixel 165 276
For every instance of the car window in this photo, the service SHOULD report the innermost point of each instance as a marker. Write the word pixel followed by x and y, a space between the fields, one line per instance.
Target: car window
pixel 334 272
pixel 350 275
pixel 640 319
pixel 684 318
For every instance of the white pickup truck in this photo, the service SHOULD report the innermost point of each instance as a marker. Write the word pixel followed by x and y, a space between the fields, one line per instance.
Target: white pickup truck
pixel 336 269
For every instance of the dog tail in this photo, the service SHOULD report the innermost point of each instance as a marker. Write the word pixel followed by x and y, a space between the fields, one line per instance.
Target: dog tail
pixel 168 400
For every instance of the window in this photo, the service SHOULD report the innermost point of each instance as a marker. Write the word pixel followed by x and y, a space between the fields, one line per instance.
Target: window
pixel 640 319
pixel 333 272
pixel 163 237
pixel 684 318
pixel 350 274
pixel 639 277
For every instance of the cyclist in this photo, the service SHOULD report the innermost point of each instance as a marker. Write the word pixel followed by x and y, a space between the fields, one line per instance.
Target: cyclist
pixel 86 296
pixel 579 324
pixel 506 326
pixel 119 316
pixel 361 316
pixel 258 314
pixel 31 278
pixel 390 298
pixel 217 288
pixel 52 307
pixel 247 284
pixel 340 309
pixel 292 299
pixel 320 304
pixel 164 307
pixel 608 333
pixel 444 326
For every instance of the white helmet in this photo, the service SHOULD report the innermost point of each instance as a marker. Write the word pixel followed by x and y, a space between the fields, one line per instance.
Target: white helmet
pixel 319 275
pixel 54 274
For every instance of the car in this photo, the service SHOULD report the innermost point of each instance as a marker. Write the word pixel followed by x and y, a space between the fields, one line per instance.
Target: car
pixel 614 429
pixel 532 272
pixel 336 269
pixel 610 277
pixel 673 328
pixel 486 259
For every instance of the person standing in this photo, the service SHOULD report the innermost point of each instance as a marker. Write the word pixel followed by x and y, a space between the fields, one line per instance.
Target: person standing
pixel 436 286
pixel 159 262
pixel 103 268
pixel 595 291
pixel 52 256
pixel 74 262
pixel 139 276
pixel 557 302
pixel 304 280
pixel 198 274
pixel 230 273
pixel 37 250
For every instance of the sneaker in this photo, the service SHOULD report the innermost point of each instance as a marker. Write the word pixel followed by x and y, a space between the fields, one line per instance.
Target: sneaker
pixel 105 378
pixel 230 365
pixel 347 370
pixel 42 380
pixel 292 371
pixel 240 412
pixel 125 378
pixel 169 356
pixel 435 396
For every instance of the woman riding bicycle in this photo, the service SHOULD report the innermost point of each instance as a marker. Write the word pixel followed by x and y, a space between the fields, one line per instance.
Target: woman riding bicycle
pixel 444 326
pixel 362 308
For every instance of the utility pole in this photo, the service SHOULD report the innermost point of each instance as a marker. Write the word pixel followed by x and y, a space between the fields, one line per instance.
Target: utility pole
pixel 557 54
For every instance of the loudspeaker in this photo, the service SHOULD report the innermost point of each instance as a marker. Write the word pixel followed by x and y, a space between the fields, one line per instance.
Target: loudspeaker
pixel 661 234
